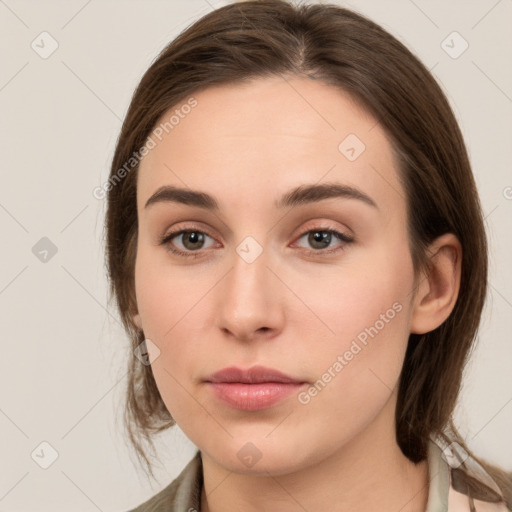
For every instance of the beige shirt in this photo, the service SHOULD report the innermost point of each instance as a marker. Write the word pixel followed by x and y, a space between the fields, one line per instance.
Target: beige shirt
pixel 446 493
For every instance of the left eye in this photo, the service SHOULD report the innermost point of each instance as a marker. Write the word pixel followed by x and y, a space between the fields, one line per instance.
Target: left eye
pixel 322 238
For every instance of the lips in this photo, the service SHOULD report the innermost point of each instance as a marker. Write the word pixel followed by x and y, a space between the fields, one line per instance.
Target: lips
pixel 253 389
pixel 254 375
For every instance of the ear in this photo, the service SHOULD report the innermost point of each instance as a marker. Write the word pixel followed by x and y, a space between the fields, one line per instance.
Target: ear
pixel 137 321
pixel 135 316
pixel 438 289
pixel 133 309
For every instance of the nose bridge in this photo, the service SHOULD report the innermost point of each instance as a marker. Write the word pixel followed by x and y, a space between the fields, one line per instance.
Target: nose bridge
pixel 248 283
pixel 249 299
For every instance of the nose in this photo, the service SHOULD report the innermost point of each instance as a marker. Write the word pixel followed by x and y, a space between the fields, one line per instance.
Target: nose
pixel 250 300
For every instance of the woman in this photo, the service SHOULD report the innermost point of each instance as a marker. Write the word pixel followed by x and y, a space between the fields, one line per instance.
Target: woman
pixel 296 247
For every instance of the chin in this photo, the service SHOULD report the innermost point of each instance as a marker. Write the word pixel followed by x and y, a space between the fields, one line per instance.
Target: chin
pixel 260 455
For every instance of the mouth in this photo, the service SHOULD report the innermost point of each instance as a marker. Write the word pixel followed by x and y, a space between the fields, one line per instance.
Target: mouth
pixel 254 375
pixel 253 389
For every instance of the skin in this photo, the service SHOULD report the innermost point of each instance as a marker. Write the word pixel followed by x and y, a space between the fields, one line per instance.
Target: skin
pixel 247 145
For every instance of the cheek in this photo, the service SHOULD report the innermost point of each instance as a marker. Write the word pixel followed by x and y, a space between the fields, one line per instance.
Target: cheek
pixel 172 306
pixel 366 291
pixel 164 295
pixel 367 310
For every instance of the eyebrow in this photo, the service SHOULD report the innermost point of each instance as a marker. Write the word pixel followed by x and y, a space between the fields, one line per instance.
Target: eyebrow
pixel 304 194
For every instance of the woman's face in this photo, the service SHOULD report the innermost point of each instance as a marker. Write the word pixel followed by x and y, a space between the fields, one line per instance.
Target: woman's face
pixel 264 281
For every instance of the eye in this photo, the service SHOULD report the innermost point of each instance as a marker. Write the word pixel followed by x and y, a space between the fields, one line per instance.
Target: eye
pixel 320 238
pixel 192 241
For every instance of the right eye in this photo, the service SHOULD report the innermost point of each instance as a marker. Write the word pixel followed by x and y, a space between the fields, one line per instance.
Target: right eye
pixel 192 240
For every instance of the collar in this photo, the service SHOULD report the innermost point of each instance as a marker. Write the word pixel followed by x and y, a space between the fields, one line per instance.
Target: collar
pixel 450 470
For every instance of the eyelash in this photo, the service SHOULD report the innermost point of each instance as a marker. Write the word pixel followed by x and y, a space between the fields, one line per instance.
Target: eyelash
pixel 310 252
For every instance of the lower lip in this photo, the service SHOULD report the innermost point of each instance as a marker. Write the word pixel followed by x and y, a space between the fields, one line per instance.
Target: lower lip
pixel 253 397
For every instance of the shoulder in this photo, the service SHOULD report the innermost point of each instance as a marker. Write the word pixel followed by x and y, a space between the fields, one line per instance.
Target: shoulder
pixel 183 494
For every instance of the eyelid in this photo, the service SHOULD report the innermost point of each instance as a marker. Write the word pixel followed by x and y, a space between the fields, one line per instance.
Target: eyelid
pixel 325 225
pixel 179 229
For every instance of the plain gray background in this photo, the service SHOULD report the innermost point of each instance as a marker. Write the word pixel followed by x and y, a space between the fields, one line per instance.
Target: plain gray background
pixel 63 352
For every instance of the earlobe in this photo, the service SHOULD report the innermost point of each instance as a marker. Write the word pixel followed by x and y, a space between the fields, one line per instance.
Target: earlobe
pixel 136 320
pixel 438 290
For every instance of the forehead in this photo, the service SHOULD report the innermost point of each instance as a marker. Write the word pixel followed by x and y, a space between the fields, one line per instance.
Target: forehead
pixel 265 136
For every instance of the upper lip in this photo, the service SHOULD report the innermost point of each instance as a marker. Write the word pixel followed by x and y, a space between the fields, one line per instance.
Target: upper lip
pixel 253 375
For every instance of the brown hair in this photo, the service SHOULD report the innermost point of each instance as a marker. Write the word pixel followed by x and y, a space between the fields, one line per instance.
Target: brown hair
pixel 248 40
